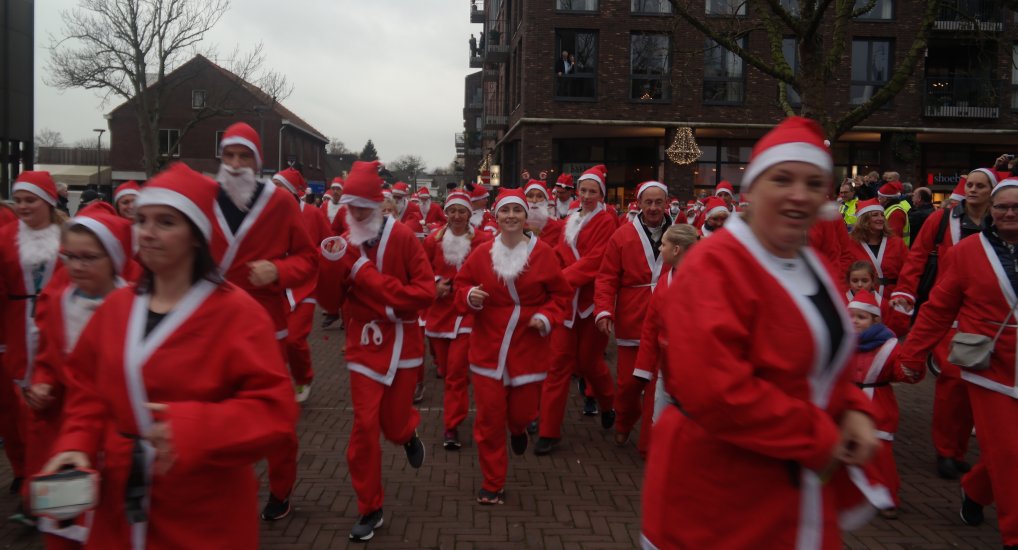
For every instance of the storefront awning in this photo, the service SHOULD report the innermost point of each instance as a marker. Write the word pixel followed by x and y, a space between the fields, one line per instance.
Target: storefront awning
pixel 75 174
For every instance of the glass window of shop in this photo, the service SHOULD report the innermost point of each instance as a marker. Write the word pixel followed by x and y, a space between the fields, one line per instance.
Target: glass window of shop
pixel 629 162
pixel 650 66
pixel 944 164
pixel 721 160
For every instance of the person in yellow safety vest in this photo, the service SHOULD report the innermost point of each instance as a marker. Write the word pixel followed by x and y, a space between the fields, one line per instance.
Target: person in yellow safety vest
pixel 846 203
pixel 895 209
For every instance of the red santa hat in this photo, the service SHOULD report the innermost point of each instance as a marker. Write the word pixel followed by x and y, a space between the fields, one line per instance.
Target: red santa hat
pixel 958 194
pixel 537 184
pixel 292 180
pixel 1004 184
pixel 867 206
pixel 186 190
pixel 424 193
pixel 565 180
pixel 652 185
pixel 890 190
pixel 126 189
pixel 240 133
pixel 724 187
pixel 479 194
pixel 511 196
pixel 386 194
pixel 400 189
pixel 599 174
pixel 989 173
pixel 113 232
pixel 633 207
pixel 458 198
pixel 415 198
pixel 363 187
pixel 674 201
pixel 865 300
pixel 40 184
pixel 794 139
pixel 337 182
pixel 715 206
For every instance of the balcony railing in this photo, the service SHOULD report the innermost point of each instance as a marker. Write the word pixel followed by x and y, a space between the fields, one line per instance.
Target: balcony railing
pixel 962 97
pixel 495 121
pixel 476 62
pixel 496 50
pixel 970 15
pixel 477 11
pixel 474 152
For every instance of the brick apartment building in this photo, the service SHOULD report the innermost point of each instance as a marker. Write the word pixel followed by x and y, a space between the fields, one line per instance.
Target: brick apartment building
pixel 201 84
pixel 640 73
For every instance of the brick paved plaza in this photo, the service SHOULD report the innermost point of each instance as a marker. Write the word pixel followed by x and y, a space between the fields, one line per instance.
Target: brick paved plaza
pixel 585 495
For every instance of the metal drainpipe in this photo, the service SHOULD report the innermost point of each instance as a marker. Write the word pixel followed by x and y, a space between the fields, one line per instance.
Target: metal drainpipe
pixel 282 126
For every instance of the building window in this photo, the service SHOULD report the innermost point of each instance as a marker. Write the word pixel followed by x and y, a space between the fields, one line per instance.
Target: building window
pixel 199 99
pixel 576 5
pixel 651 7
pixel 650 66
pixel 219 139
pixel 871 68
pixel 576 68
pixel 1014 77
pixel 169 139
pixel 726 7
pixel 789 47
pixel 723 76
pixel 883 10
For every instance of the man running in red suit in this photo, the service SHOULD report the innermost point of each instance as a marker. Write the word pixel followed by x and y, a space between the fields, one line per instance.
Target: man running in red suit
pixel 432 212
pixel 380 274
pixel 261 246
pixel 406 211
pixel 334 212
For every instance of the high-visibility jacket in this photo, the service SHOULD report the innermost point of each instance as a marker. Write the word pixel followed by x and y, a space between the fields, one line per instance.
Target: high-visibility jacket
pixel 847 210
pixel 898 225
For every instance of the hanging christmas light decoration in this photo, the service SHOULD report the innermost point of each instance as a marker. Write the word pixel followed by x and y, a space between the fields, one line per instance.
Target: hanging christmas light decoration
pixel 684 149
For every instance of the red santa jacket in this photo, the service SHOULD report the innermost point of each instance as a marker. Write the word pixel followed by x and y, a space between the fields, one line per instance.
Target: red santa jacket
pixel 443 319
pixel 627 277
pixel 335 213
pixel 382 289
pixel 874 371
pixel 651 354
pixel 229 403
pixel 830 238
pixel 434 213
pixel 922 245
pixel 17 305
pixel 580 251
pixel 513 352
pixel 760 393
pixel 272 230
pixel 318 229
pixel 888 261
pixel 413 219
pixel 551 233
pixel 973 288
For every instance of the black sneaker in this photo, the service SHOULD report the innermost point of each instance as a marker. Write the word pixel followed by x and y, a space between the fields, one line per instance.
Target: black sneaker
pixel 329 320
pixel 414 451
pixel 276 509
pixel 518 443
pixel 451 440
pixel 946 468
pixel 971 511
pixel 365 527
pixel 608 419
pixel 532 427
pixel 589 406
pixel 545 445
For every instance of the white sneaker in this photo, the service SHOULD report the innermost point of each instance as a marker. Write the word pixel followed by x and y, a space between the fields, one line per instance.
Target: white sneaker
pixel 303 392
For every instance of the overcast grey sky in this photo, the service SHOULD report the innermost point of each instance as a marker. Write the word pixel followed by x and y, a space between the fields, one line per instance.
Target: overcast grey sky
pixel 388 70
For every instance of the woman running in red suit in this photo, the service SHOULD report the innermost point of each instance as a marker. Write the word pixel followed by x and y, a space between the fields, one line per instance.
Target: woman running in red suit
pixel 516 293
pixel 446 328
pixel 952 412
pixel 764 409
pixel 872 240
pixel 28 259
pixel 96 251
pixel 978 287
pixel 178 413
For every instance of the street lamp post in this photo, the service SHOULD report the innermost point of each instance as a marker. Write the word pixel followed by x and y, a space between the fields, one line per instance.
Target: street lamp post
pixel 99 159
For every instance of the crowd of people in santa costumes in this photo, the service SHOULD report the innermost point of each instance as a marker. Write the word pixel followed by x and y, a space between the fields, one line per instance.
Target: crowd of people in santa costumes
pixel 335 212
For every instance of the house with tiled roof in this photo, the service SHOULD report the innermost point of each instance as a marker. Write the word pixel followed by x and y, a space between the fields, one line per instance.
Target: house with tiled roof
pixel 202 100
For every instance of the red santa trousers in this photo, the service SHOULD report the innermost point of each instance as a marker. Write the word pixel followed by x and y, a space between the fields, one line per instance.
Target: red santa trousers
pixel 298 353
pixel 378 410
pixel 952 412
pixel 10 408
pixel 283 462
pixel 581 350
pixel 451 356
pixel 995 479
pixel 500 407
pixel 632 398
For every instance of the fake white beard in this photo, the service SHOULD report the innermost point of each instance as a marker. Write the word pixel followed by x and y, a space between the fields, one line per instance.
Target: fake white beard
pixel 401 205
pixel 673 211
pixel 239 184
pixel 333 209
pixel 476 217
pixel 37 246
pixel 562 208
pixel 425 206
pixel 507 262
pixel 573 227
pixel 537 215
pixel 455 248
pixel 362 232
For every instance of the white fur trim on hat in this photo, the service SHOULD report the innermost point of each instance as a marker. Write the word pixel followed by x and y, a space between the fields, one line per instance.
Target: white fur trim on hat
pixel 160 196
pixel 109 242
pixel 868 209
pixel 359 202
pixel 285 182
pixel 125 193
pixel 716 210
pixel 537 186
pixel 238 140
pixel 336 184
pixel 786 152
pixel 35 190
pixel 651 185
pixel 600 183
pixel 868 308
pixel 512 199
pixel 457 200
pixel 989 173
pixel 1009 182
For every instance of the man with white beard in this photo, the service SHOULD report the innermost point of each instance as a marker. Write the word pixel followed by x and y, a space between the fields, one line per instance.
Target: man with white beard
pixel 333 210
pixel 406 211
pixel 381 276
pixel 432 212
pixel 539 218
pixel 261 246
pixel 481 218
pixel 564 196
pixel 675 211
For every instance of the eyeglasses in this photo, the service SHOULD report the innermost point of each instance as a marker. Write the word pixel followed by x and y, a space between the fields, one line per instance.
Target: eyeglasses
pixel 85 260
pixel 1004 208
